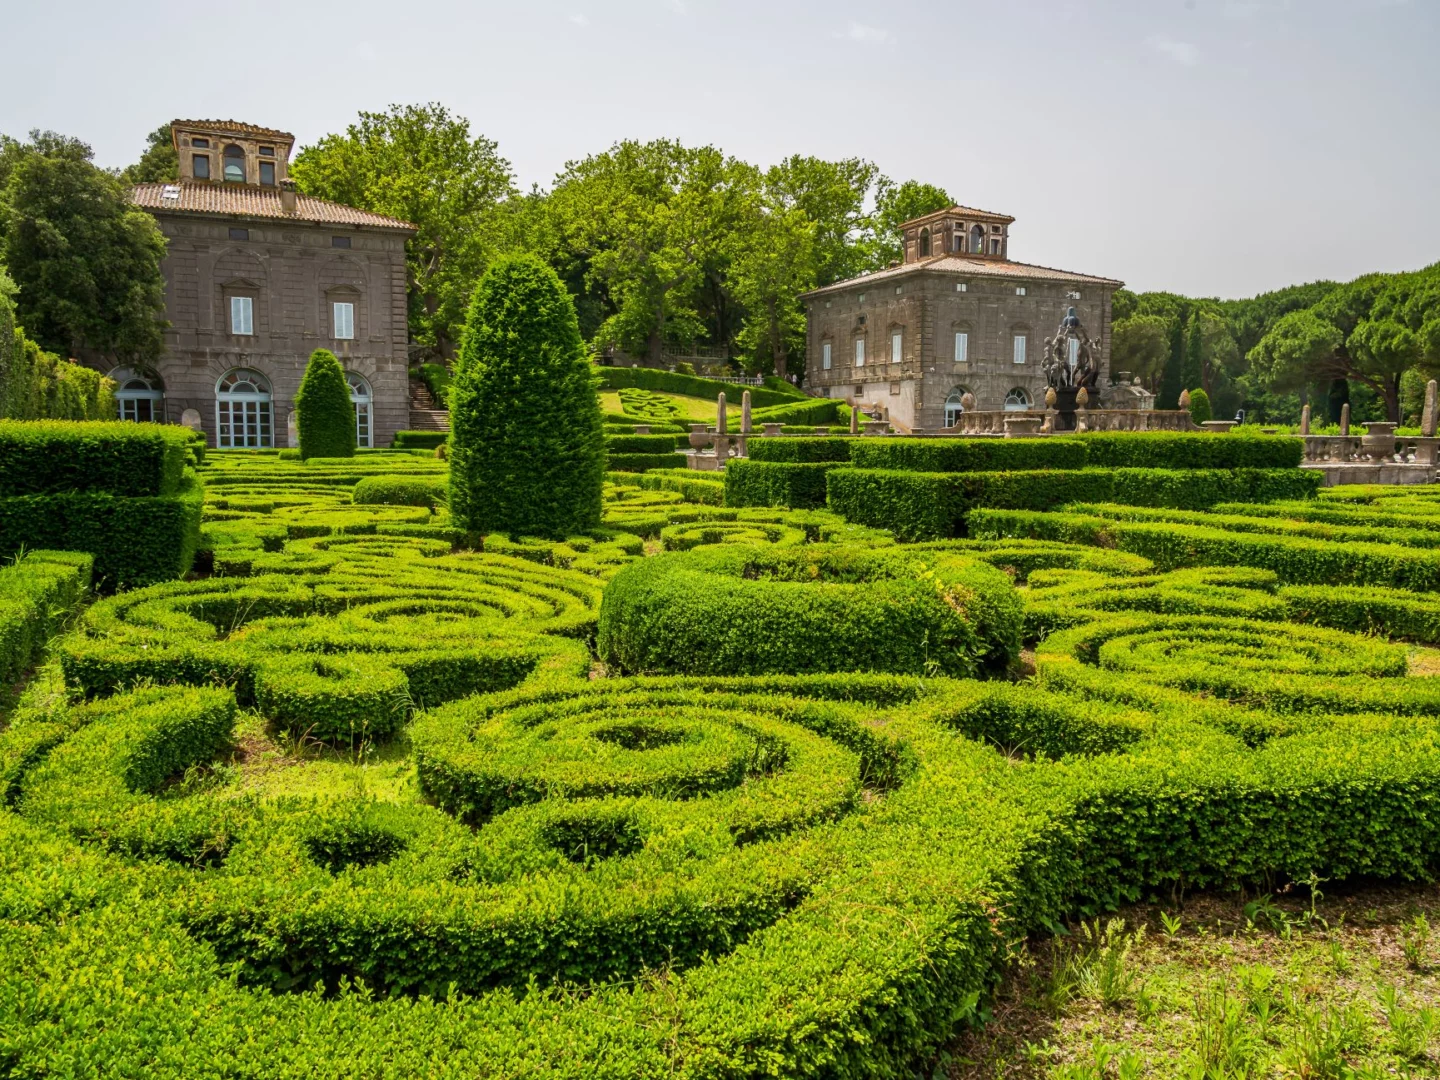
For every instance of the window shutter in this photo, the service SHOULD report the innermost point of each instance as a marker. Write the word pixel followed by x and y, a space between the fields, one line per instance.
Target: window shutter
pixel 962 347
pixel 860 352
pixel 1019 348
pixel 344 320
pixel 825 356
pixel 242 313
pixel 897 350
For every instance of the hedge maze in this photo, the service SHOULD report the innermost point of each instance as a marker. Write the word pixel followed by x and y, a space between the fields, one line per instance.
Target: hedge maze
pixel 713 790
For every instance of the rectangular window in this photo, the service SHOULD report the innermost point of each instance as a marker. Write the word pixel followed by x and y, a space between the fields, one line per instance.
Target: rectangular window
pixel 340 241
pixel 1019 290
pixel 267 172
pixel 1073 294
pixel 899 289
pixel 242 315
pixel 860 352
pixel 267 151
pixel 203 144
pixel 897 350
pixel 825 356
pixel 1072 356
pixel 994 247
pixel 239 234
pixel 1019 348
pixel 200 166
pixel 962 347
pixel 961 286
pixel 344 320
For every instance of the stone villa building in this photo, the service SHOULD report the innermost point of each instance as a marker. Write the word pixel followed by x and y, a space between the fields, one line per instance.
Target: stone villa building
pixel 258 276
pixel 956 315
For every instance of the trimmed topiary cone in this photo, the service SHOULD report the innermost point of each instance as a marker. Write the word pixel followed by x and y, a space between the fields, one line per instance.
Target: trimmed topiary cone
pixel 527 449
pixel 324 416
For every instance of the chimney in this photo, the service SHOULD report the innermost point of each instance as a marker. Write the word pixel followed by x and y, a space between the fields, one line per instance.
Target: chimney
pixel 287 195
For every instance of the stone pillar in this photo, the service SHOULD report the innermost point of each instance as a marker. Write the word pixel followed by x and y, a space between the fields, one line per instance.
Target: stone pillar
pixel 1305 420
pixel 721 423
pixel 1428 419
pixel 1345 419
pixel 855 419
pixel 292 430
pixel 744 423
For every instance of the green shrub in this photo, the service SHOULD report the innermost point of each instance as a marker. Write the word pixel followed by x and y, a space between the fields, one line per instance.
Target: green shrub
pixel 324 416
pixel 738 609
pixel 643 462
pixel 799 485
pixel 1199 406
pixel 400 491
pixel 787 448
pixel 813 411
pixel 1191 450
pixel 526 450
pixel 37 593
pixel 640 444
pixel 968 455
pixel 419 440
pixel 135 541
pixel 670 382
pixel 60 456
pixel 929 506
pixel 693 487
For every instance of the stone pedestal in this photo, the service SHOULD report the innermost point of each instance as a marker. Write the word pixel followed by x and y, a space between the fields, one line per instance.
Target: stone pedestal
pixel 1019 427
pixel 1219 426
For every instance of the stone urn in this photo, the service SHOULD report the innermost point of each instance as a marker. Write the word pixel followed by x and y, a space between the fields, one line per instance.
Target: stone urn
pixel 1378 443
pixel 1064 407
pixel 699 436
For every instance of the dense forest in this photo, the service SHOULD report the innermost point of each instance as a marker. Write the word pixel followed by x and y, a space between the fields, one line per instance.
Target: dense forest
pixel 666 247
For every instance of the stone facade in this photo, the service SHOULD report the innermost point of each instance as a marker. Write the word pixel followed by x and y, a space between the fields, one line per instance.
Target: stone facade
pixel 955 317
pixel 258 277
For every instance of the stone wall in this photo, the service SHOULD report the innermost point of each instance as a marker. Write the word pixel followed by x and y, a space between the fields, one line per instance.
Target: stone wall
pixel 293 272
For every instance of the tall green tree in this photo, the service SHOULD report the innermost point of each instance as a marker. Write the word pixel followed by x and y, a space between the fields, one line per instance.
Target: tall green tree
pixel 527 450
pixel 1172 377
pixel 774 263
pixel 833 196
pixel 1370 331
pixel 324 415
pixel 1192 368
pixel 652 224
pixel 421 164
pixel 1139 345
pixel 86 260
pixel 896 204
pixel 159 164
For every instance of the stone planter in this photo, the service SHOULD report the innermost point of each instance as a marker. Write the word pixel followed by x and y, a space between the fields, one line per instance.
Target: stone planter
pixel 699 436
pixel 877 427
pixel 1218 426
pixel 1019 427
pixel 770 429
pixel 1378 443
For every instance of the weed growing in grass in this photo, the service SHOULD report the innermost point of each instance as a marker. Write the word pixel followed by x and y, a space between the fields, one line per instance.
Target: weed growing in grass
pixel 1415 943
pixel 1412 1031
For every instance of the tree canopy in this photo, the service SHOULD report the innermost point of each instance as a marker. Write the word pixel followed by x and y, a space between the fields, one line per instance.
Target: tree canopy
pixel 159 164
pixel 421 164
pixel 85 258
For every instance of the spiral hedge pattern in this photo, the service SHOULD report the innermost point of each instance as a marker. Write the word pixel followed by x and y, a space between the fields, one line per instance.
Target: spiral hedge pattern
pixel 510 862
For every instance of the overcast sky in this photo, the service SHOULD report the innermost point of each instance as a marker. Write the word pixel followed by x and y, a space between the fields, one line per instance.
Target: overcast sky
pixel 1214 147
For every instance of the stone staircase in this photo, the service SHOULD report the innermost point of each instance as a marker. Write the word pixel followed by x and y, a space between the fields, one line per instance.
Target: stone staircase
pixel 425 411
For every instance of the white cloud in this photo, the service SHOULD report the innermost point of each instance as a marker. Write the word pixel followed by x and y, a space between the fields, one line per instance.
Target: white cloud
pixel 869 35
pixel 1182 52
pixel 579 20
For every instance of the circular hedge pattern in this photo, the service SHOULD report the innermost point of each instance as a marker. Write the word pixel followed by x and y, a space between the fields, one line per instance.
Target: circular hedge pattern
pixel 742 609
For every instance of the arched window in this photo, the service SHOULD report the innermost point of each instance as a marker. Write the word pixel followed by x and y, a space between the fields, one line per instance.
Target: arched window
pixel 242 410
pixel 234 163
pixel 977 240
pixel 924 243
pixel 360 399
pixel 138 394
pixel 954 406
pixel 1017 400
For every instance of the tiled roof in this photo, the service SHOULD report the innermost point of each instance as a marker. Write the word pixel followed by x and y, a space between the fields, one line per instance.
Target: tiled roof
pixel 235 127
pixel 963 211
pixel 236 200
pixel 974 268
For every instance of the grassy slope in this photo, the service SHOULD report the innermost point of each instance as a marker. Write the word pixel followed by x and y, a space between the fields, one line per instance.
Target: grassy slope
pixel 1218 987
pixel 696 410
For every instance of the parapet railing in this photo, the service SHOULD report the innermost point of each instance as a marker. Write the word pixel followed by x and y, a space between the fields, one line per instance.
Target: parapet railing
pixel 1375 448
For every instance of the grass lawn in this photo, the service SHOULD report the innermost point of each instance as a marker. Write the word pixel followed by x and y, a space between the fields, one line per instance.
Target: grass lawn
pixel 696 410
pixel 1221 987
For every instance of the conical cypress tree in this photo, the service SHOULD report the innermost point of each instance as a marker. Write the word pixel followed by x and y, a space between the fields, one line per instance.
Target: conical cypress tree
pixel 527 449
pixel 1193 373
pixel 1171 376
pixel 323 413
